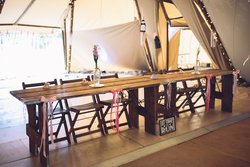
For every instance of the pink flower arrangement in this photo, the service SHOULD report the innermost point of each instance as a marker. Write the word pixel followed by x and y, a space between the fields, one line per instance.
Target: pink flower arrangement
pixel 95 54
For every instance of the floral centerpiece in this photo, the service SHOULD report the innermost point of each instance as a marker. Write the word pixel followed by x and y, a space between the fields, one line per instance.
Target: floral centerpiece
pixel 95 54
pixel 97 72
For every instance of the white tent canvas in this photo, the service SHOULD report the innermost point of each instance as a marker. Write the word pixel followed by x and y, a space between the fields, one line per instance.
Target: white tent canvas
pixel 232 25
pixel 231 19
pixel 119 48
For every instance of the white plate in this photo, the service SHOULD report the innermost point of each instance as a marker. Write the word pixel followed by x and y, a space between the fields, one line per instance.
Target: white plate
pixel 96 86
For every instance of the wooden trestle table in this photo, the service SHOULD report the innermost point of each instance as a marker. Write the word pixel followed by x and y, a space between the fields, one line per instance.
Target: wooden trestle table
pixel 31 98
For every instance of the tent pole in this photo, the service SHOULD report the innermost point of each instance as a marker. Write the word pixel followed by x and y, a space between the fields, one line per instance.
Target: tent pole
pixel 148 55
pixel 138 9
pixel 71 33
pixel 64 36
pixel 1 5
pixel 29 25
pixel 24 12
pixel 167 38
pixel 167 33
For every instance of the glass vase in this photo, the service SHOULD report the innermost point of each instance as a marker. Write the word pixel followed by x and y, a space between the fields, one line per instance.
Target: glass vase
pixel 196 67
pixel 97 76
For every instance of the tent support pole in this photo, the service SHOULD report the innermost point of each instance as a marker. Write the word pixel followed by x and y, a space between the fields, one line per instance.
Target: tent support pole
pixel 29 25
pixel 167 38
pixel 71 33
pixel 1 5
pixel 167 33
pixel 64 36
pixel 148 55
pixel 24 12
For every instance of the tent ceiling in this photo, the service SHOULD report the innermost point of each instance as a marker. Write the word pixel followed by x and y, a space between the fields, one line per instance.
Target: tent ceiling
pixel 40 13
pixel 87 14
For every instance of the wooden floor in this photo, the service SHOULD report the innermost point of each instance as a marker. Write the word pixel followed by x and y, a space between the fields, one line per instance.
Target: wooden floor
pixel 226 146
pixel 111 150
